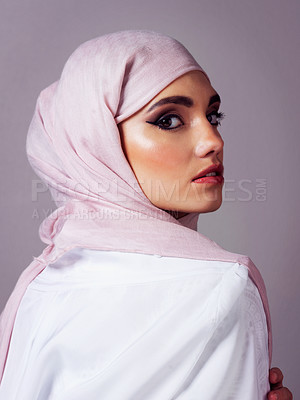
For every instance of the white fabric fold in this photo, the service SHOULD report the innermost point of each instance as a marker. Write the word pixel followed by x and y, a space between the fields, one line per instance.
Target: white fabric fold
pixel 124 326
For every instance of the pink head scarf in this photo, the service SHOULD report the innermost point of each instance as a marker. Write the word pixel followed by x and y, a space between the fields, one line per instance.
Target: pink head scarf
pixel 74 146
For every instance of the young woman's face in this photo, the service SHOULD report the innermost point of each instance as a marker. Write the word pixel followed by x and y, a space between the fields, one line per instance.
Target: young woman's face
pixel 172 140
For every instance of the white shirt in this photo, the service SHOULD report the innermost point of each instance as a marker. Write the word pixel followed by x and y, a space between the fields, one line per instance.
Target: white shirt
pixel 103 325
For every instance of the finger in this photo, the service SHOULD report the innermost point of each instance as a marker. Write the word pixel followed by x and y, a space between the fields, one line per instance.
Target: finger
pixel 276 386
pixel 275 375
pixel 280 394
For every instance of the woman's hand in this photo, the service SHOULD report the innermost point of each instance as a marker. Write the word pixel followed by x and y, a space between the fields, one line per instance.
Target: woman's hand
pixel 278 392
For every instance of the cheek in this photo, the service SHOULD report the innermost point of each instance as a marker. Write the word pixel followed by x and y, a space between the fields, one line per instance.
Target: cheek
pixel 158 158
pixel 155 154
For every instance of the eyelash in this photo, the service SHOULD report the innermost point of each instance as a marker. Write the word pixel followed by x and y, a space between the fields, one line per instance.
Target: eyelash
pixel 219 116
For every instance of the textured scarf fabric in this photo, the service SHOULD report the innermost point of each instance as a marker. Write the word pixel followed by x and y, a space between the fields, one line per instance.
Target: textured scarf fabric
pixel 74 146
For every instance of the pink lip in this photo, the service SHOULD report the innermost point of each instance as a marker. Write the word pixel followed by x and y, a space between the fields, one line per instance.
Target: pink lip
pixel 210 179
pixel 217 168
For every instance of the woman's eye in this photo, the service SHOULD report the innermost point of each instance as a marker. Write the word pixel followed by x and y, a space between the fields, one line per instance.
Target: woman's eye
pixel 168 122
pixel 215 117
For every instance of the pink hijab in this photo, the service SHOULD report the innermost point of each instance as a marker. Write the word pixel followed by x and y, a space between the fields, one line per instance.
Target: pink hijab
pixel 74 146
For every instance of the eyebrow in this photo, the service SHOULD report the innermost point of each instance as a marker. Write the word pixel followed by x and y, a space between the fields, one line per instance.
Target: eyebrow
pixel 183 100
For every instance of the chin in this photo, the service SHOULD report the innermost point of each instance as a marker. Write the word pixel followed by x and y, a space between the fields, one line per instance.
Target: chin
pixel 204 207
pixel 209 209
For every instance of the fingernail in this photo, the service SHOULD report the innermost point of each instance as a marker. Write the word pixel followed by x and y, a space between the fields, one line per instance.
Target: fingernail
pixel 274 396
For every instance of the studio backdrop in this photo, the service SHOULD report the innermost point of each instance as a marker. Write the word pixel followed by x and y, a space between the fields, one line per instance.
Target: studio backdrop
pixel 249 50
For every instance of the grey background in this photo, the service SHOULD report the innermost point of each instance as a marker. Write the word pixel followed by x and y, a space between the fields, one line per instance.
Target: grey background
pixel 250 50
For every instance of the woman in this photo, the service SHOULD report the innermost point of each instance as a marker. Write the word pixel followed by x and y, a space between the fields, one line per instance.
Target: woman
pixel 128 300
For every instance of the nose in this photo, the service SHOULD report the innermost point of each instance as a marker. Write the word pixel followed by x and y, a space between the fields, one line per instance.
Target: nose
pixel 208 141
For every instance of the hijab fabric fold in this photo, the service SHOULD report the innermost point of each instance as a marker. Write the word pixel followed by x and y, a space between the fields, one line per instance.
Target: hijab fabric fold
pixel 74 146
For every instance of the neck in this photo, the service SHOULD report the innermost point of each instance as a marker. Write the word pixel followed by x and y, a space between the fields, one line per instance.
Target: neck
pixel 176 214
